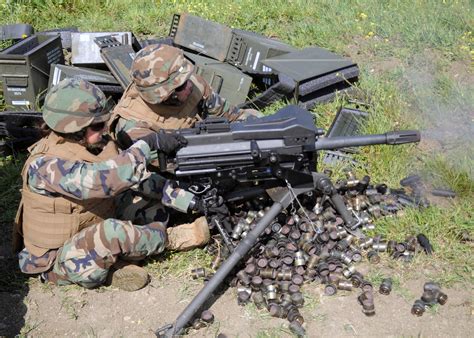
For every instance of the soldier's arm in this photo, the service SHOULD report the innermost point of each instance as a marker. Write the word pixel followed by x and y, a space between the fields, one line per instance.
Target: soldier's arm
pixel 83 180
pixel 161 189
pixel 213 103
pixel 134 129
pixel 218 106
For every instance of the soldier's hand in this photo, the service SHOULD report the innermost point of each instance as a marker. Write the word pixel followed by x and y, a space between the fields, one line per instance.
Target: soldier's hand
pixel 202 207
pixel 166 143
pixel 170 143
pixel 220 211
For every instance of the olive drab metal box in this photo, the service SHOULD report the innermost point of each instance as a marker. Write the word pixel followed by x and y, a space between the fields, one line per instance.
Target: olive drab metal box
pixel 242 49
pixel 16 31
pixel 317 73
pixel 118 57
pixel 102 78
pixel 86 52
pixel 248 49
pixel 203 36
pixel 65 33
pixel 227 80
pixel 25 68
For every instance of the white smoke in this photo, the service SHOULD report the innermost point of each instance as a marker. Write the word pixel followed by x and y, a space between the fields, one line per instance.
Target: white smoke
pixel 445 103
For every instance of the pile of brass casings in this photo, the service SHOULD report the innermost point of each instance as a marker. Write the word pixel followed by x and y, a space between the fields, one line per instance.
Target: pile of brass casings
pixel 308 243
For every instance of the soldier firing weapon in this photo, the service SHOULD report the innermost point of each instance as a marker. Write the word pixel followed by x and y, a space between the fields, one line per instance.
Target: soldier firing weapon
pixel 275 155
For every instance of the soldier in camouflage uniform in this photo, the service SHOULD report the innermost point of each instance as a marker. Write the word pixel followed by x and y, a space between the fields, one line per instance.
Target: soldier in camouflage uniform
pixel 166 94
pixel 87 208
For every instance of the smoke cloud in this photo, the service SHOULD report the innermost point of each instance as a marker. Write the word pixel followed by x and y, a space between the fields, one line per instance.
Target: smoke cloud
pixel 445 102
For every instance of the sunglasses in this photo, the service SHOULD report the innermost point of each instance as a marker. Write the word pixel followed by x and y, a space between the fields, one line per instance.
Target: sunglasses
pixel 97 127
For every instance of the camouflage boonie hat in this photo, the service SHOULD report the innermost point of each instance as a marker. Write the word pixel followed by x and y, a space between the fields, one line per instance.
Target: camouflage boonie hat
pixel 74 104
pixel 158 70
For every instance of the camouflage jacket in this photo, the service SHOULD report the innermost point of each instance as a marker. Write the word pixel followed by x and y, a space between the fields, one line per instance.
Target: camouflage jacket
pixel 52 176
pixel 83 180
pixel 138 118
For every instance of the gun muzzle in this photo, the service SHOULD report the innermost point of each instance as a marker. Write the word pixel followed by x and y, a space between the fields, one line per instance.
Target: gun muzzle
pixel 393 138
pixel 403 136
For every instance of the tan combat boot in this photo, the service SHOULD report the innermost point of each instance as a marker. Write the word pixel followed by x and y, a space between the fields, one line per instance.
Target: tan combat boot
pixel 188 236
pixel 127 276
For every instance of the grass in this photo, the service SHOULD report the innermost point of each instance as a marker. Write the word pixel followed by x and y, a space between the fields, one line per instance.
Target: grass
pixel 178 264
pixel 67 303
pixel 28 328
pixel 416 72
pixel 10 168
pixel 273 332
pixel 11 279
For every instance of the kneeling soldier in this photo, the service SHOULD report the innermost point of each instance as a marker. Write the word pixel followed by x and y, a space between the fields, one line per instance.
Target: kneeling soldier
pixel 87 209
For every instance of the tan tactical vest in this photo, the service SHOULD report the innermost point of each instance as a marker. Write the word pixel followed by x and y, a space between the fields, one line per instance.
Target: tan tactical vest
pixel 47 222
pixel 161 116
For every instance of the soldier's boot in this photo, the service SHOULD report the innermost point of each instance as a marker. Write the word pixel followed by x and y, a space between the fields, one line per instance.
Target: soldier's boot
pixel 188 236
pixel 127 276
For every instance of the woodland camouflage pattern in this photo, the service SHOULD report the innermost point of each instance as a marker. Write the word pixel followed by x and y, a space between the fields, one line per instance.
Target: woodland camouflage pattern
pixel 74 104
pixel 82 180
pixel 175 197
pixel 86 257
pixel 158 70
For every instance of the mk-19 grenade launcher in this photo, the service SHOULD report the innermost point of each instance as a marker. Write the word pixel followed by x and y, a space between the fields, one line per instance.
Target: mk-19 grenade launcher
pixel 274 155
pixel 263 152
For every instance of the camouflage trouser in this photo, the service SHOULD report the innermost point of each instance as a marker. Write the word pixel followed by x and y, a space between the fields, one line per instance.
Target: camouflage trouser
pixel 138 229
pixel 86 258
pixel 133 208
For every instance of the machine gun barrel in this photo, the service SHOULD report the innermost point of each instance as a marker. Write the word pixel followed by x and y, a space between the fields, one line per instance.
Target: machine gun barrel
pixel 394 138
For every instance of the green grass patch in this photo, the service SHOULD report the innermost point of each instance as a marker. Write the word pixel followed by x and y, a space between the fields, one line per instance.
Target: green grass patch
pixel 178 264
pixel 452 260
pixel 415 61
pixel 11 279
pixel 383 28
pixel 10 184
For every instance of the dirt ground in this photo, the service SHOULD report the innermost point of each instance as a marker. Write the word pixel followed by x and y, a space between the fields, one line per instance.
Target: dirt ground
pixel 40 310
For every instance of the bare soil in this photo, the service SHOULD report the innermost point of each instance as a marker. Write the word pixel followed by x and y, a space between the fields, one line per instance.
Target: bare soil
pixel 44 310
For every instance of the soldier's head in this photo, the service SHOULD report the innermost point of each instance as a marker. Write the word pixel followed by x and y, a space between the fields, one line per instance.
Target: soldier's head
pixel 161 74
pixel 77 109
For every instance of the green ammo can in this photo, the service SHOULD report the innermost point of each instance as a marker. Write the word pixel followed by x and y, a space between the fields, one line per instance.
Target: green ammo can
pixel 227 80
pixel 203 36
pixel 240 48
pixel 25 68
